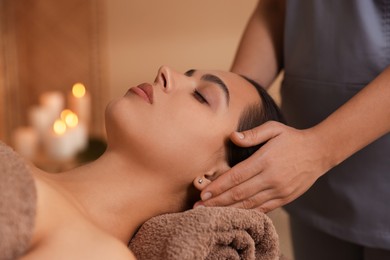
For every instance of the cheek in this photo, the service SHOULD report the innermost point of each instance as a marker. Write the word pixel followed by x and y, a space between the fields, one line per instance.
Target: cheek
pixel 180 148
pixel 177 142
pixel 185 141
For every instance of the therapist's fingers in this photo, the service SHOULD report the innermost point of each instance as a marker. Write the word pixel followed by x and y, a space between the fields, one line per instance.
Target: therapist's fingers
pixel 270 205
pixel 241 195
pixel 282 169
pixel 248 168
pixel 267 200
pixel 257 135
pixel 266 207
pixel 276 201
pixel 255 200
pixel 240 173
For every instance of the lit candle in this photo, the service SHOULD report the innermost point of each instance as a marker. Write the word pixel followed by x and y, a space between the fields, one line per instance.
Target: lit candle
pixel 59 145
pixel 77 130
pixel 80 103
pixel 41 120
pixel 65 114
pixel 25 141
pixel 54 101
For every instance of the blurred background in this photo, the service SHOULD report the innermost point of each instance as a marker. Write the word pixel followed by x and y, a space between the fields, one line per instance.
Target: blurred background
pixel 98 49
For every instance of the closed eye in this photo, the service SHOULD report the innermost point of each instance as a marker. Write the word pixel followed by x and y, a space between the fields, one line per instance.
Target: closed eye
pixel 198 96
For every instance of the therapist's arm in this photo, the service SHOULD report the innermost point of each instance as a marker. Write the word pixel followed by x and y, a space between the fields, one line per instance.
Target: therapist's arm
pixel 260 52
pixel 292 160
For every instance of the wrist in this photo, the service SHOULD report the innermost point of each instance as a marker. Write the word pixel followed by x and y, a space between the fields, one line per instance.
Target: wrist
pixel 324 148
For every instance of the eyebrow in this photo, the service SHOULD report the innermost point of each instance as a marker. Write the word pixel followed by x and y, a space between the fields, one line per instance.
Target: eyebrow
pixel 213 79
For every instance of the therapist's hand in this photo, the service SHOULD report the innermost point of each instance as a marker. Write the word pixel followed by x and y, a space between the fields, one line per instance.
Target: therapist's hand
pixel 279 172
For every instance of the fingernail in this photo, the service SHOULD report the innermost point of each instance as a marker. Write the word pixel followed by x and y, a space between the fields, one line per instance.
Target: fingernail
pixel 206 196
pixel 198 206
pixel 240 135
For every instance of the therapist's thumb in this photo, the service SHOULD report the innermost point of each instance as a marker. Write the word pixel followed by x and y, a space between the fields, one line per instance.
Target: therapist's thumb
pixel 257 135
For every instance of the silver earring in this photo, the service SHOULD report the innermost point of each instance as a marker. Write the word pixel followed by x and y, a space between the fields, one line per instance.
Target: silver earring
pixel 200 180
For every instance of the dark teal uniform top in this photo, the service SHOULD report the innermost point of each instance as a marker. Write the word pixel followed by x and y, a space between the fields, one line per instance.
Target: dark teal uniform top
pixel 333 49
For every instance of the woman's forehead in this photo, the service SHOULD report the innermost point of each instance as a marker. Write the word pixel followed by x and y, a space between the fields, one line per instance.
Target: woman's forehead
pixel 239 86
pixel 232 80
pixel 242 93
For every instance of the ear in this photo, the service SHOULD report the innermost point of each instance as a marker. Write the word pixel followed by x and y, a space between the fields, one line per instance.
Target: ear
pixel 200 182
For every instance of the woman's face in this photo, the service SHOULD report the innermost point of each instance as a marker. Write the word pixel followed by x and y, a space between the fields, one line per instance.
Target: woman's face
pixel 178 125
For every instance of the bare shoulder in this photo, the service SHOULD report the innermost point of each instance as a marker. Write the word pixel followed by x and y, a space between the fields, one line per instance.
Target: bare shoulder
pixel 81 244
pixel 107 247
pixel 78 239
pixel 62 232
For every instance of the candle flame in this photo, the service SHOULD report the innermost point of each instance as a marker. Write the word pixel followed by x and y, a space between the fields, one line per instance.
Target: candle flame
pixel 71 120
pixel 59 127
pixel 64 113
pixel 78 90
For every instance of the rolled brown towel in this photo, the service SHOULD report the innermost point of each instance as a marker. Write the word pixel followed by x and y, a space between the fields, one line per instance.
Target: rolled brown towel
pixel 17 204
pixel 207 233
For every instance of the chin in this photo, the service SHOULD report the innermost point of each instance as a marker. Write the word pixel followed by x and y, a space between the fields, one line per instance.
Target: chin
pixel 114 123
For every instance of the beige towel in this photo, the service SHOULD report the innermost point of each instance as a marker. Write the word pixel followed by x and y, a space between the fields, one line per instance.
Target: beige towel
pixel 17 204
pixel 207 233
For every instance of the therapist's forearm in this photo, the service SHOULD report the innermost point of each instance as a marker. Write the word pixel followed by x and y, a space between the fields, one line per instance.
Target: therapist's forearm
pixel 260 52
pixel 360 121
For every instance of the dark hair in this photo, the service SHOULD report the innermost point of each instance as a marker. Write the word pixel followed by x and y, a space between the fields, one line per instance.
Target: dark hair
pixel 254 115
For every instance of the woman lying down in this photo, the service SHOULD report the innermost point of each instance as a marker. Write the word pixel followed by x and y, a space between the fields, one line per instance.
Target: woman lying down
pixel 166 141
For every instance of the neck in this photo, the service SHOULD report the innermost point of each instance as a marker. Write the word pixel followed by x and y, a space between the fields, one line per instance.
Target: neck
pixel 116 196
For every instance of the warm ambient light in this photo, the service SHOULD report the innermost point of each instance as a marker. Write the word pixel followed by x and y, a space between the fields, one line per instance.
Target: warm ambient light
pixel 59 127
pixel 64 113
pixel 71 120
pixel 78 90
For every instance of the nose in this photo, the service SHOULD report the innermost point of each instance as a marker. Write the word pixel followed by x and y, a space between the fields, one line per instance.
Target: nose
pixel 162 76
pixel 168 78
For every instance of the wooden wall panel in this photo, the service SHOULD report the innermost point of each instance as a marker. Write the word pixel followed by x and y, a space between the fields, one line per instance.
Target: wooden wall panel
pixel 56 43
pixel 10 107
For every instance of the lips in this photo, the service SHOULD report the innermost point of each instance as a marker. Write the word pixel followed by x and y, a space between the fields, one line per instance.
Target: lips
pixel 145 91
